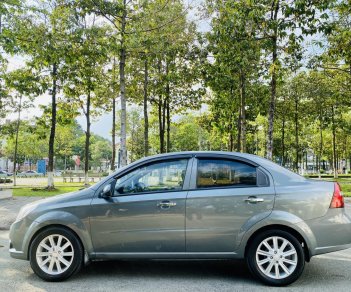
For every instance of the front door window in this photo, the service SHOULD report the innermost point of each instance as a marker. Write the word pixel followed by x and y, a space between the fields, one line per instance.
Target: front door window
pixel 156 177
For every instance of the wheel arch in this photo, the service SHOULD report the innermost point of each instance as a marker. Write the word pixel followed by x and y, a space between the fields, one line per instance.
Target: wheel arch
pixel 285 228
pixel 53 226
pixel 64 219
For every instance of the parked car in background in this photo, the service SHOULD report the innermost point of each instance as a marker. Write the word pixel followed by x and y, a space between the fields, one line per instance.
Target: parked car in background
pixel 30 173
pixel 58 172
pixel 5 173
pixel 189 205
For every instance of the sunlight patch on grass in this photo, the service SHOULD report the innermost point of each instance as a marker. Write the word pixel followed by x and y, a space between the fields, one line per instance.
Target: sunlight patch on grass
pixel 42 192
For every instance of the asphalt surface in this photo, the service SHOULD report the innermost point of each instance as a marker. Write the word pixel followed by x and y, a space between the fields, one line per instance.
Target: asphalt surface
pixel 9 208
pixel 330 272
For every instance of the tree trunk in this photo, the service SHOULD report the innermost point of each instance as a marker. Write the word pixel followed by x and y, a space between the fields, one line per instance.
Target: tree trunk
pixel 16 141
pixel 334 143
pixel 296 135
pixel 231 142
pixel 168 127
pixel 242 112
pixel 271 111
pixel 122 64
pixel 113 158
pixel 53 129
pixel 283 141
pixel 87 141
pixel 168 118
pixel 238 146
pixel 146 117
pixel 164 105
pixel 320 144
pixel 161 125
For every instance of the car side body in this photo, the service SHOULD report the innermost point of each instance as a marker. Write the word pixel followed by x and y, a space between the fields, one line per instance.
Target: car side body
pixel 191 222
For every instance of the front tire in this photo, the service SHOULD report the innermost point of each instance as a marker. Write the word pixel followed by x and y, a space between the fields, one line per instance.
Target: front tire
pixel 276 258
pixel 56 254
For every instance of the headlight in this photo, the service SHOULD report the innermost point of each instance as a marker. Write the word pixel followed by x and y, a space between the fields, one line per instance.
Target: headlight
pixel 25 210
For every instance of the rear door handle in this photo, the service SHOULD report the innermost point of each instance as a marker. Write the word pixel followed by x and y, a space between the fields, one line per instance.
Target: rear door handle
pixel 254 200
pixel 166 204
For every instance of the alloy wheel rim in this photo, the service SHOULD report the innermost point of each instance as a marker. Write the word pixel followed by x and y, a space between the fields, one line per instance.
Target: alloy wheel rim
pixel 276 257
pixel 54 254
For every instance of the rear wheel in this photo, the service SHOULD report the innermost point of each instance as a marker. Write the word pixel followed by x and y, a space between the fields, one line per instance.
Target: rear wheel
pixel 56 254
pixel 276 258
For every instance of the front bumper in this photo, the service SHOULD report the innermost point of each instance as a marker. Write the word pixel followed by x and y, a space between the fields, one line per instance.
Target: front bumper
pixel 20 239
pixel 16 254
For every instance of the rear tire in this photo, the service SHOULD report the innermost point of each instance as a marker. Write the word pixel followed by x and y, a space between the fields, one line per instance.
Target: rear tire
pixel 56 254
pixel 276 258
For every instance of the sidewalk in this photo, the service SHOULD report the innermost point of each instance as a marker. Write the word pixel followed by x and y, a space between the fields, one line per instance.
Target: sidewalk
pixel 5 193
pixel 10 206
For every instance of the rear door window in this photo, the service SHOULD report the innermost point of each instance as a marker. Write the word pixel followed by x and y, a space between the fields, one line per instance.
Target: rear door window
pixel 213 173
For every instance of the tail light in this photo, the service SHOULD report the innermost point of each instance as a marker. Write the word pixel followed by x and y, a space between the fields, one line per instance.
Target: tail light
pixel 338 199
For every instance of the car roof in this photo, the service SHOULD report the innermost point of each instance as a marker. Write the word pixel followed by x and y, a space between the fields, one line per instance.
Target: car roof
pixel 280 174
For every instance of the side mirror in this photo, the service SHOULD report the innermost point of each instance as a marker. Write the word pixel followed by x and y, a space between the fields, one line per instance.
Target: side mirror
pixel 106 192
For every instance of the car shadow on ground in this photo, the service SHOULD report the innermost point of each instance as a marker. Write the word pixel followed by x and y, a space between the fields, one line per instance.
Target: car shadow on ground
pixel 169 269
pixel 189 275
pixel 163 272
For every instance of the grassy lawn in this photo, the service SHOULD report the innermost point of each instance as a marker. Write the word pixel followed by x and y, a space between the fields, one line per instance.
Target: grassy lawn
pixel 346 188
pixel 345 184
pixel 41 192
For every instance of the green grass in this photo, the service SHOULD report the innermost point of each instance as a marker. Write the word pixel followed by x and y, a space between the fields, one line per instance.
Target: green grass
pixel 344 182
pixel 41 192
pixel 346 188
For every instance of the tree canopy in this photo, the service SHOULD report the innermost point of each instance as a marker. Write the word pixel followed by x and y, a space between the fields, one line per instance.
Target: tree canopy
pixel 269 77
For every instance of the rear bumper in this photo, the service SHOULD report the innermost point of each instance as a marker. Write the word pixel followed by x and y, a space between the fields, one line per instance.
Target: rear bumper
pixel 327 249
pixel 332 232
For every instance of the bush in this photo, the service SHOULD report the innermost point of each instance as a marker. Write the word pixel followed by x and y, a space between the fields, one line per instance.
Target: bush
pixel 5 180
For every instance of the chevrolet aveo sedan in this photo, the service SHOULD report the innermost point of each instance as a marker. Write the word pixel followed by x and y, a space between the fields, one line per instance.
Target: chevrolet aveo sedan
pixel 190 205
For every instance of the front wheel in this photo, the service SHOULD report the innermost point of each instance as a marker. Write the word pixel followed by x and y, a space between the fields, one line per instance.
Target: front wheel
pixel 56 254
pixel 276 258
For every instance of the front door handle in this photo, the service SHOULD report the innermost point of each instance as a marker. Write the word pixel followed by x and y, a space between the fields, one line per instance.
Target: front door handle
pixel 166 204
pixel 254 200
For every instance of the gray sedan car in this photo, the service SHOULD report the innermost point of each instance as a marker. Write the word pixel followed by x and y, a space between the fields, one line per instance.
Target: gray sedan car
pixel 189 205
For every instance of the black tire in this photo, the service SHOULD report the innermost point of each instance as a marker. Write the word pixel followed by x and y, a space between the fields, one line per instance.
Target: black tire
pixel 78 254
pixel 256 271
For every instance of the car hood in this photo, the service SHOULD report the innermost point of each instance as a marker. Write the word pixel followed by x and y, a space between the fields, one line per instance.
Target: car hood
pixel 66 199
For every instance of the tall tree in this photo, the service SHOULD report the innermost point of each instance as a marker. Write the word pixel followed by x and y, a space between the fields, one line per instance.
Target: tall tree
pixel 284 26
pixel 42 33
pixel 85 74
pixel 23 86
pixel 236 54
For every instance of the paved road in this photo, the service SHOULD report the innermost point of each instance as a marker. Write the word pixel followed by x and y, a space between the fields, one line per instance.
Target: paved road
pixel 10 207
